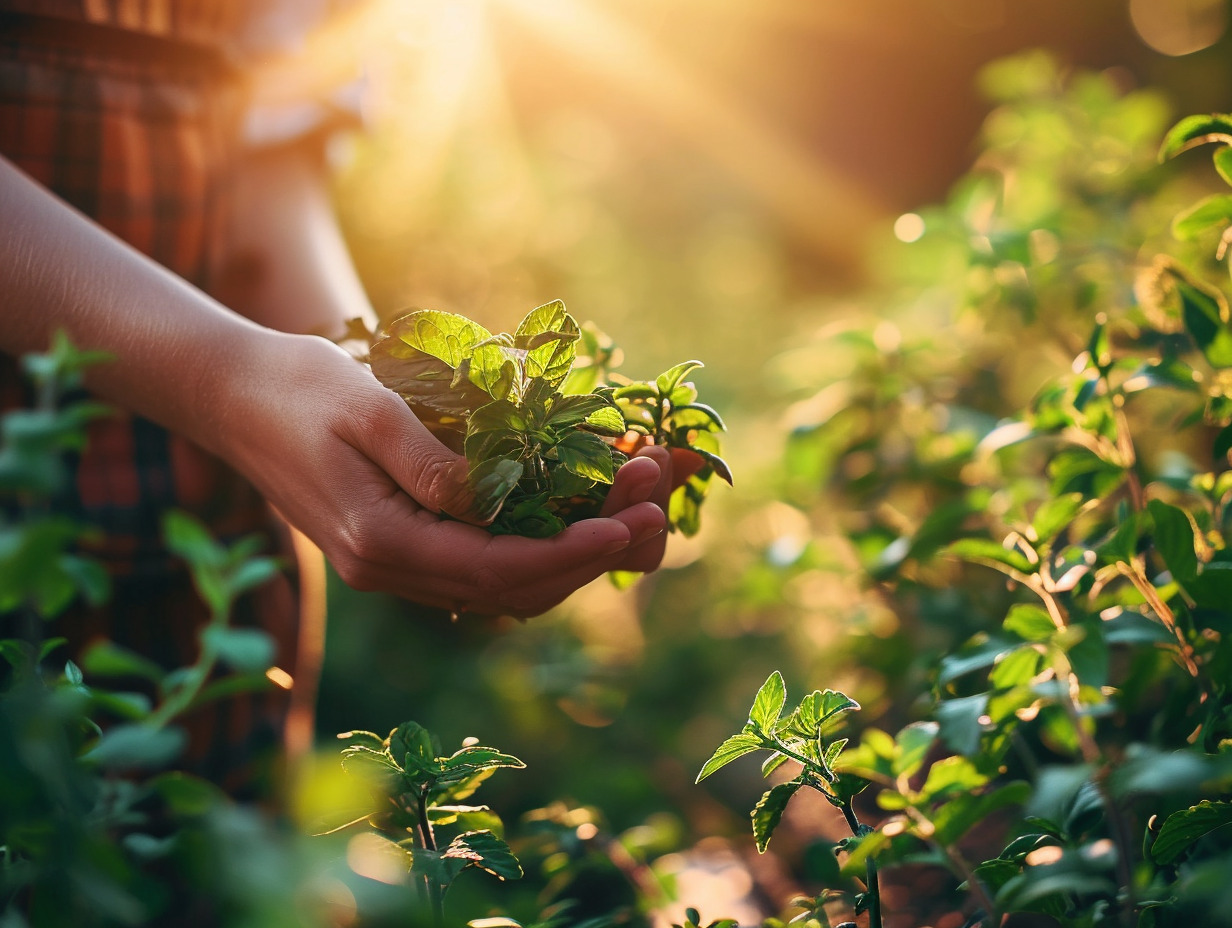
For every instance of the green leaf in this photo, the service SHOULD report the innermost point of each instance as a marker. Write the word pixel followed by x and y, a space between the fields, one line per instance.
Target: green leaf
pixel 548 334
pixel 982 651
pixel 1196 130
pixel 491 482
pixel 950 775
pixel 137 747
pixel 913 743
pixel 419 359
pixel 1029 622
pixel 586 455
pixel 769 810
pixel 72 673
pixel 1223 162
pixel 990 553
pixel 484 850
pixel 818 708
pixel 187 795
pixel 670 379
pixel 1174 539
pixel 1181 830
pixel 410 739
pixel 962 812
pixel 244 649
pixel 188 538
pixel 251 574
pixel 959 721
pixel 1015 667
pixel 717 464
pixel 481 758
pixel 1213 212
pixel 1205 314
pixel 1055 514
pixel 768 703
pixel 736 746
pixel 606 421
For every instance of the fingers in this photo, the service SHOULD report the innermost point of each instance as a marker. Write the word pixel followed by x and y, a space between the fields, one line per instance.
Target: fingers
pixel 647 555
pixel 396 441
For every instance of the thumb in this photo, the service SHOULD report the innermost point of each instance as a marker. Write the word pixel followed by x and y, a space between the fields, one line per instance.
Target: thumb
pixel 432 474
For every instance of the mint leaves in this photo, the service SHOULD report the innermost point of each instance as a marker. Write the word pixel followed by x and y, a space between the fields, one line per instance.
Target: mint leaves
pixel 542 432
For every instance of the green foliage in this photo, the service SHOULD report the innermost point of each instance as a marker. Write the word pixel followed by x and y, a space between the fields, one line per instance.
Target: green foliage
pixel 542 439
pixel 416 790
pixel 1085 723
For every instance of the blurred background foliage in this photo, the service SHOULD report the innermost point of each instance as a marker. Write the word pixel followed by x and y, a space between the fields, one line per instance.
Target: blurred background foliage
pixel 749 184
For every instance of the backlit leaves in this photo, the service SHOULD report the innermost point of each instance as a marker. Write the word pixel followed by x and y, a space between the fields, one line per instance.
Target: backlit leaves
pixel 540 458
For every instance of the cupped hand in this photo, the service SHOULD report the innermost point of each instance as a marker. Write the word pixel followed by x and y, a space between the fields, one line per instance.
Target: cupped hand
pixel 348 464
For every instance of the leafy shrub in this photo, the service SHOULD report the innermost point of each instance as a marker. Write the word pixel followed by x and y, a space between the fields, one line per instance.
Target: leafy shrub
pixel 1073 760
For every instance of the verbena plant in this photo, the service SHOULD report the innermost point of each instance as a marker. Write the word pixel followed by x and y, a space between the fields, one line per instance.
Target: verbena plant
pixel 1075 761
pixel 543 436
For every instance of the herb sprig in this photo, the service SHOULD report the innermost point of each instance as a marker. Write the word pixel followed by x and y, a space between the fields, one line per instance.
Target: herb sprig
pixel 542 432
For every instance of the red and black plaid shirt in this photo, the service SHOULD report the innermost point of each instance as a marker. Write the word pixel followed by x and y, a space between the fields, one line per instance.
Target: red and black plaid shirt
pixel 132 111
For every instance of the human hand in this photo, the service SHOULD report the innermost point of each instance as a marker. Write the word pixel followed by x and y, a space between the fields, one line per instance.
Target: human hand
pixel 350 465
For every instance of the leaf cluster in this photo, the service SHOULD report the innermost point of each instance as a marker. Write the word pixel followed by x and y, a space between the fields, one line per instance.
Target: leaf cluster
pixel 416 788
pixel 1086 722
pixel 543 438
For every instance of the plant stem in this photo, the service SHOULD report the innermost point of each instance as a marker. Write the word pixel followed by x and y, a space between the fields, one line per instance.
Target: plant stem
pixel 183 696
pixel 1136 574
pixel 870 870
pixel 427 840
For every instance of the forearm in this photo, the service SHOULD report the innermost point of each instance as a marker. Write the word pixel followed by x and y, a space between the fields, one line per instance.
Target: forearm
pixel 173 346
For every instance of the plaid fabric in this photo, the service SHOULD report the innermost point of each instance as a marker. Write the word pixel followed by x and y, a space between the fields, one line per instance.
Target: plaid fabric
pixel 144 143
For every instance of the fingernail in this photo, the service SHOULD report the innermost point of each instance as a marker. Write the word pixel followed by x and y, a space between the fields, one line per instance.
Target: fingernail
pixel 645 534
pixel 616 544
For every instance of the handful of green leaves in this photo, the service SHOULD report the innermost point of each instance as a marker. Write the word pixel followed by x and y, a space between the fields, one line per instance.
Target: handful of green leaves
pixel 542 432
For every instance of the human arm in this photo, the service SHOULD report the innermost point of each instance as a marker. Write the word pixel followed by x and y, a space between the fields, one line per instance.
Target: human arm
pixel 340 456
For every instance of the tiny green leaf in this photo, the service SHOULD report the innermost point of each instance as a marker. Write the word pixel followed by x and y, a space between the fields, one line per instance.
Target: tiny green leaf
pixel 768 702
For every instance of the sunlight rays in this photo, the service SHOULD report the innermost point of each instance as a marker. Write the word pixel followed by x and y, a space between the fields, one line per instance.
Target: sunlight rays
pixel 818 204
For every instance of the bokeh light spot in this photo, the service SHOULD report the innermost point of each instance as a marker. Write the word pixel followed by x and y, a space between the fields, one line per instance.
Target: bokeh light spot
pixel 909 227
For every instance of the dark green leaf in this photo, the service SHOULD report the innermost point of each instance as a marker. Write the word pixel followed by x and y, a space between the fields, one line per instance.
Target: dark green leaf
pixel 1174 539
pixel 959 721
pixel 1182 829
pixel 187 537
pixel 964 811
pixel 769 811
pixel 484 850
pixel 413 740
pixel 586 455
pixel 481 758
pixel 137 747
pixel 245 649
